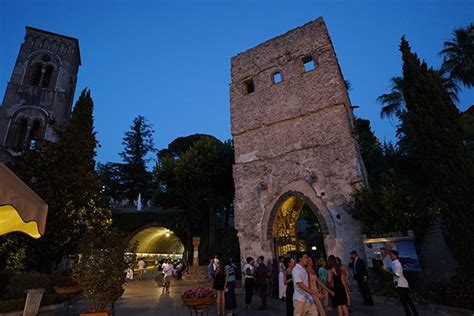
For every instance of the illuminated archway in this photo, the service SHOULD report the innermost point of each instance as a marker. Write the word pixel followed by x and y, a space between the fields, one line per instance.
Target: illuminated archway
pixel 296 226
pixel 157 242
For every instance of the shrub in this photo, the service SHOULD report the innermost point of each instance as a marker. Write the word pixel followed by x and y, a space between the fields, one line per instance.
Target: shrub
pixel 101 268
pixel 18 284
pixel 62 279
pixel 4 279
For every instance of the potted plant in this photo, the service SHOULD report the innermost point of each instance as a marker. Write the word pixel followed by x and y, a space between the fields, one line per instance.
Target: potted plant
pixel 199 299
pixel 101 269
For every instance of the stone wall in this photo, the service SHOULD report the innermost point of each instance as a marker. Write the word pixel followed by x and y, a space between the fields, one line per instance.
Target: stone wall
pixel 293 136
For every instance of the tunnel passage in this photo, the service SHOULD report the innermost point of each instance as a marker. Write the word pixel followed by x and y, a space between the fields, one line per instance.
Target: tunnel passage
pixel 157 243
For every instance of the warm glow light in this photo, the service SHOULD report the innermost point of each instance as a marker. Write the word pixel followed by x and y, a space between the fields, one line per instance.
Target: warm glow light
pixel 167 234
pixel 11 221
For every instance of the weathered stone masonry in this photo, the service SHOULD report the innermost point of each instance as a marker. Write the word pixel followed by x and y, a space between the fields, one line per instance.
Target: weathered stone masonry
pixel 40 91
pixel 293 137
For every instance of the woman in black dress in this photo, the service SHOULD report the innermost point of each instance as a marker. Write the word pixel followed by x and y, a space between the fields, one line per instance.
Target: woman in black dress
pixel 337 283
pixel 288 280
pixel 219 285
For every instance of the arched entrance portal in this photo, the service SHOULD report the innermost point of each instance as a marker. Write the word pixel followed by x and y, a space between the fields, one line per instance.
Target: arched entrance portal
pixel 296 227
pixel 156 243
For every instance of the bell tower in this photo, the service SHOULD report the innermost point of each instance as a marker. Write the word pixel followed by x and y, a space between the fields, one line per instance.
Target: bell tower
pixel 40 92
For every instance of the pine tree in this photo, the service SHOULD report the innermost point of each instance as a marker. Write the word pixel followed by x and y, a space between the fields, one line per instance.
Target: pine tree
pixel 138 143
pixel 446 165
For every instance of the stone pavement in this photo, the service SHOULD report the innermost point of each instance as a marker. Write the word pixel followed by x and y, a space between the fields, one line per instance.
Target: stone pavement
pixel 145 298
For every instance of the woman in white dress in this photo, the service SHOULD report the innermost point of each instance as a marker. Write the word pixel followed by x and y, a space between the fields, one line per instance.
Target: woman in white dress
pixel 281 280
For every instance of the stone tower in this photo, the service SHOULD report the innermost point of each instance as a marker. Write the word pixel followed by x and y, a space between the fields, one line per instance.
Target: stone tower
pixel 295 144
pixel 40 92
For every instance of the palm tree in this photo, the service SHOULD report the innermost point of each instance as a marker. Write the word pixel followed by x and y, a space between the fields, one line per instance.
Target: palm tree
pixel 458 56
pixel 393 103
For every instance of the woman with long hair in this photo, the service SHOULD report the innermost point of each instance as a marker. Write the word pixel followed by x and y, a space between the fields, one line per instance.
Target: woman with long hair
pixel 316 285
pixel 345 279
pixel 289 264
pixel 219 286
pixel 336 281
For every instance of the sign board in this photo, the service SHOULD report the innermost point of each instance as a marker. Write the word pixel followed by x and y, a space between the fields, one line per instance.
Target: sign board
pixel 378 246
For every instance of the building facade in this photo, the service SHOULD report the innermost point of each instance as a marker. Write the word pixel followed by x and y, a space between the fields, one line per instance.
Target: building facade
pixel 40 92
pixel 295 145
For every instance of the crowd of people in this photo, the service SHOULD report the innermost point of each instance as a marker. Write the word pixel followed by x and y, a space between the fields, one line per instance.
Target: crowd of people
pixel 309 287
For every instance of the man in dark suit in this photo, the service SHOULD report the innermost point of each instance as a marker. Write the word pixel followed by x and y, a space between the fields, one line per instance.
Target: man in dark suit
pixel 360 274
pixel 261 280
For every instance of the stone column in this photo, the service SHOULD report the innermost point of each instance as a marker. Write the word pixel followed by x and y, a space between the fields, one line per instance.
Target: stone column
pixel 196 241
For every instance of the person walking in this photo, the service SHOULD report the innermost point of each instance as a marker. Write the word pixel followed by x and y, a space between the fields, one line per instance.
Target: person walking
pixel 288 280
pixel 345 277
pixel 303 295
pixel 168 271
pixel 315 286
pixel 141 268
pixel 261 280
pixel 219 287
pixel 401 284
pixel 230 300
pixel 210 273
pixel 248 272
pixel 361 276
pixel 281 279
pixel 322 273
pixel 335 279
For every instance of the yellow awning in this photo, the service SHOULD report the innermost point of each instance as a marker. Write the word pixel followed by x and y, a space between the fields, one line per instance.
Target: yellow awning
pixel 21 209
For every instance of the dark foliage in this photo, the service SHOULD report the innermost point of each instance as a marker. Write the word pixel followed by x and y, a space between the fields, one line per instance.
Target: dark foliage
pixel 446 166
pixel 63 174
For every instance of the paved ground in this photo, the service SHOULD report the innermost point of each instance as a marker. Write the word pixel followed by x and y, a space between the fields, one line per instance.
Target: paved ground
pixel 144 298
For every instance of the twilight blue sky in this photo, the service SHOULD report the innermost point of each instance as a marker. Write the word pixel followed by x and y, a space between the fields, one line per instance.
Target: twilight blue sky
pixel 169 60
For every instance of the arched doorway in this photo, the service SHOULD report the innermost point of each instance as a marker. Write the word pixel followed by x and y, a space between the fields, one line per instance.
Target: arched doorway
pixel 156 243
pixel 296 227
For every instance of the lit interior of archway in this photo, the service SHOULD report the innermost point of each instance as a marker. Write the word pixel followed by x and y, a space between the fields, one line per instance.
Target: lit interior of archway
pixel 157 241
pixel 296 228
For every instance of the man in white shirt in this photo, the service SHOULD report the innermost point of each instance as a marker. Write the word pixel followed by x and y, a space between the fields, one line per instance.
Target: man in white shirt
pixel 402 285
pixel 141 268
pixel 168 272
pixel 248 272
pixel 302 301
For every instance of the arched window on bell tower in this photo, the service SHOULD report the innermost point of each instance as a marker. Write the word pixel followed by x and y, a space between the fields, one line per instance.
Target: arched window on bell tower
pixel 48 73
pixel 23 130
pixel 36 74
pixel 35 134
pixel 42 72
